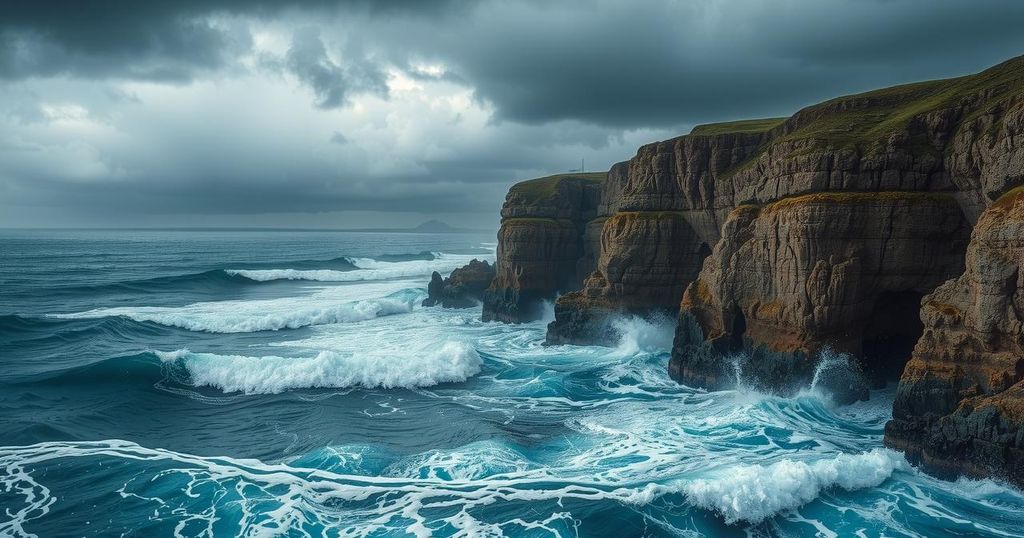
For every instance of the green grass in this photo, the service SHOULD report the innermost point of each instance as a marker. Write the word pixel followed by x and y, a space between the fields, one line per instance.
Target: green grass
pixel 866 120
pixel 533 190
pixel 743 126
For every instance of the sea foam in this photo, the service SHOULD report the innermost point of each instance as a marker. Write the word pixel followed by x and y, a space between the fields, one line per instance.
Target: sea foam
pixel 754 493
pixel 366 269
pixel 451 362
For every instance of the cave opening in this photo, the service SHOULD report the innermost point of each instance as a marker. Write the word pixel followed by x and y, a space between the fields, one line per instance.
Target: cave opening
pixel 738 329
pixel 704 251
pixel 893 329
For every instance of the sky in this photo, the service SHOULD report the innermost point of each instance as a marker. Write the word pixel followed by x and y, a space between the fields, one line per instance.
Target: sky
pixel 340 114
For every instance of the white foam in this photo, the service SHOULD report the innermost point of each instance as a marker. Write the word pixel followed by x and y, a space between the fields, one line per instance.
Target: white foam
pixel 366 269
pixel 451 362
pixel 755 492
pixel 267 314
pixel 171 356
pixel 639 335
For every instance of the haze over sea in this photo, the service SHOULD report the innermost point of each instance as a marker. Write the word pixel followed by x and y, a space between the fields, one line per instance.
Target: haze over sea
pixel 288 383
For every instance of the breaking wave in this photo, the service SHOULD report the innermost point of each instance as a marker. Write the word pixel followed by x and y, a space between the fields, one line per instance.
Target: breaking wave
pixel 262 315
pixel 754 493
pixel 451 362
pixel 365 269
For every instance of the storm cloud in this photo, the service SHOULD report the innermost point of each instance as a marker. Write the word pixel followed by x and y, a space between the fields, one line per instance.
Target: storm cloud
pixel 339 113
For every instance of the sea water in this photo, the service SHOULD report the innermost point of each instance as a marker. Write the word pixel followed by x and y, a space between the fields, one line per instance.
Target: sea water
pixel 264 383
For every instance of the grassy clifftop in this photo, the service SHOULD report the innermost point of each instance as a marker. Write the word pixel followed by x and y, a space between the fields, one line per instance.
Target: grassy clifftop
pixel 867 119
pixel 739 127
pixel 533 190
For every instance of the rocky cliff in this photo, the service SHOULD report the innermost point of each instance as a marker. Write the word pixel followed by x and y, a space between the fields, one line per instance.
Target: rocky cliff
pixel 662 210
pixel 850 213
pixel 845 227
pixel 960 404
pixel 845 270
pixel 542 247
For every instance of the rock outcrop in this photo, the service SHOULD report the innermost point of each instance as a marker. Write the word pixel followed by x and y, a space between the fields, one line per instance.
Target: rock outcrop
pixel 464 288
pixel 848 215
pixel 959 408
pixel 845 227
pixel 540 244
pixel 814 271
pixel 660 215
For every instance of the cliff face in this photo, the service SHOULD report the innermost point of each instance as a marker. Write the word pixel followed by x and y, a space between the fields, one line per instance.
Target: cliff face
pixel 843 227
pixel 960 404
pixel 540 244
pixel 817 270
pixel 844 219
pixel 662 213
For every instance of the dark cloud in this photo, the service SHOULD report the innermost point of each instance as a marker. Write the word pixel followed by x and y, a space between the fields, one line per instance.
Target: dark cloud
pixel 119 107
pixel 153 39
pixel 630 64
pixel 332 82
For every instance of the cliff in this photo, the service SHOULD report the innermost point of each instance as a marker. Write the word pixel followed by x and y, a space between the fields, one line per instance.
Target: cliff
pixel 960 404
pixel 843 220
pixel 663 209
pixel 541 244
pixel 884 226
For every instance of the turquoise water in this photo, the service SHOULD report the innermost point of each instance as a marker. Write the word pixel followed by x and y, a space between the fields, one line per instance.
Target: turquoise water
pixel 159 383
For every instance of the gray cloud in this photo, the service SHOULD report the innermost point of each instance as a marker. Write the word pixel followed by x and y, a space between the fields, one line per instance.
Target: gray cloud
pixel 259 108
pixel 332 83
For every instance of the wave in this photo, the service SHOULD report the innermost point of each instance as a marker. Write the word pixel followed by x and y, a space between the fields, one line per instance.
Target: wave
pixel 261 315
pixel 364 269
pixel 218 279
pixel 754 493
pixel 644 335
pixel 128 369
pixel 459 488
pixel 452 362
pixel 425 255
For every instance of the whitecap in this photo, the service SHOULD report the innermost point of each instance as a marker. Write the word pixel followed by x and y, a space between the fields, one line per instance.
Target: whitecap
pixel 366 269
pixel 451 362
pixel 754 493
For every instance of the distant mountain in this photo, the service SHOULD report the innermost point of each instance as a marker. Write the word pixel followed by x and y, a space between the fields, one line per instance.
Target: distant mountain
pixel 432 226
pixel 435 226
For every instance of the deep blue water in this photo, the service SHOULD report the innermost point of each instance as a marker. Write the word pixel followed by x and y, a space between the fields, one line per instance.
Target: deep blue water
pixel 157 383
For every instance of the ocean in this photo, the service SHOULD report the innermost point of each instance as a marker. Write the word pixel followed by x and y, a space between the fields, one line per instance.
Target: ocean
pixel 266 383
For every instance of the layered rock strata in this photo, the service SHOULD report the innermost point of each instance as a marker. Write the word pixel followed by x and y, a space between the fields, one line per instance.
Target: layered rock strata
pixel 848 215
pixel 826 230
pixel 959 407
pixel 662 210
pixel 803 273
pixel 540 244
